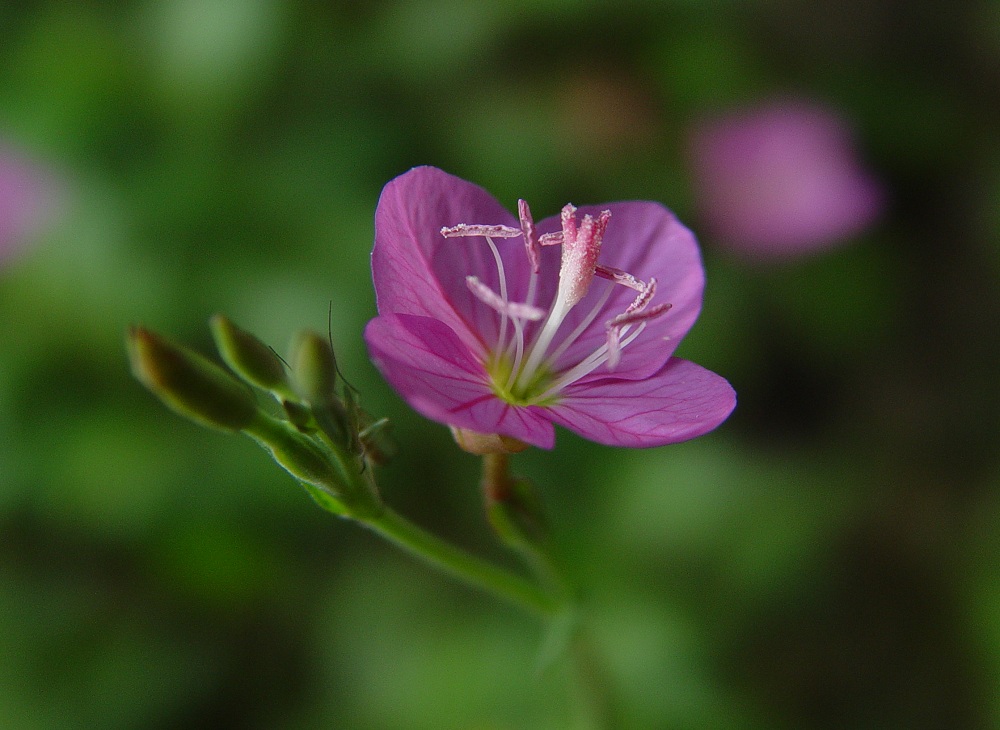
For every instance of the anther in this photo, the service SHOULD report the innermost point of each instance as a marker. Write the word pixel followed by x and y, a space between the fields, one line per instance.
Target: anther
pixel 620 277
pixel 618 324
pixel 528 231
pixel 465 229
pixel 644 298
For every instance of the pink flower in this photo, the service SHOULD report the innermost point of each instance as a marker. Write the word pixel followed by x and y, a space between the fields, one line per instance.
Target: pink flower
pixel 489 323
pixel 24 199
pixel 781 179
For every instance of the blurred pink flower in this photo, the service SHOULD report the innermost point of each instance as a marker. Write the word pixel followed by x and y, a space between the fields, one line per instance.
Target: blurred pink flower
pixel 490 324
pixel 24 201
pixel 781 179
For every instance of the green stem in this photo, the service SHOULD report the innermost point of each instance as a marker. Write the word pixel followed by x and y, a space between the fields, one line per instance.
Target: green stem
pixel 331 475
pixel 498 490
pixel 460 564
pixel 565 636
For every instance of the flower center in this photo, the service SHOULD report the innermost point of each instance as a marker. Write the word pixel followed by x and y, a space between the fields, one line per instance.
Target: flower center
pixel 523 370
pixel 507 386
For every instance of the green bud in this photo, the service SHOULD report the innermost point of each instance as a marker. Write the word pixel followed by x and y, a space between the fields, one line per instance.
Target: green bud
pixel 314 366
pixel 189 383
pixel 248 357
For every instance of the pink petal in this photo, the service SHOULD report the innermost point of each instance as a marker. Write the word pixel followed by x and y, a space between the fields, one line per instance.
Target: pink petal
pixel 680 402
pixel 418 271
pixel 434 371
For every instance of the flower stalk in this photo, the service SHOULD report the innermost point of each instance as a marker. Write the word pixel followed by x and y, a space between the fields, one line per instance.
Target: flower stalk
pixel 515 511
pixel 468 568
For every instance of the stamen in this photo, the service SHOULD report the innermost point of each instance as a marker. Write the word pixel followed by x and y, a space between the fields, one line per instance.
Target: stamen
pixel 627 317
pixel 465 229
pixel 514 310
pixel 645 297
pixel 534 256
pixel 619 277
pixel 542 340
pixel 591 316
pixel 616 276
pixel 597 358
pixel 551 239
pixel 617 326
pixel 502 337
pixel 518 354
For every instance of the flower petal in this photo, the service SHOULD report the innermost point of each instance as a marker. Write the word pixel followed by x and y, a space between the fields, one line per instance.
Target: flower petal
pixel 418 271
pixel 647 241
pixel 781 179
pixel 427 363
pixel 680 402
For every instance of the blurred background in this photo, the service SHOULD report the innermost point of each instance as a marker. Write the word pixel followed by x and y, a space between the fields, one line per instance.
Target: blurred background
pixel 827 559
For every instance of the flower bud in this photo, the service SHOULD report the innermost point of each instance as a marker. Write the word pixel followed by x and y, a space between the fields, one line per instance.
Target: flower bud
pixel 248 357
pixel 314 366
pixel 188 383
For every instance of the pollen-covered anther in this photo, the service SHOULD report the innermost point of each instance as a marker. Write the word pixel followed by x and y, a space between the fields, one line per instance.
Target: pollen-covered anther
pixel 620 277
pixel 466 229
pixel 490 298
pixel 629 317
pixel 644 298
